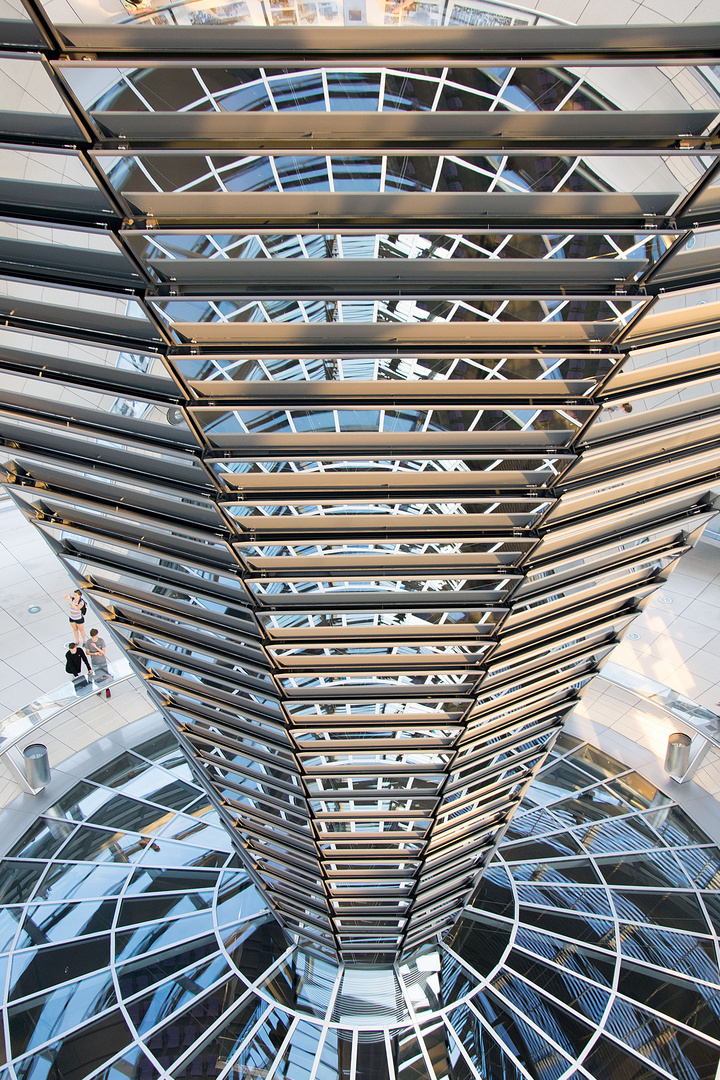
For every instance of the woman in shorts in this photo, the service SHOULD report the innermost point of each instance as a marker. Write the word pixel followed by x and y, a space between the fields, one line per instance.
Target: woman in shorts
pixel 77 615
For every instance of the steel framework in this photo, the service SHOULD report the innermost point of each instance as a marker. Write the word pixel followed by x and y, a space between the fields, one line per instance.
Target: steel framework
pixel 368 430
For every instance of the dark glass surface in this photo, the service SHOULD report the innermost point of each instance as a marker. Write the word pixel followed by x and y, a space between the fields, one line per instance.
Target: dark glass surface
pixel 136 974
pixel 494 894
pixel 150 880
pixel 254 953
pixel 91 845
pixel 480 943
pixel 72 804
pixel 160 935
pixel 655 870
pixel 132 1065
pixel 458 1067
pixel 562 777
pixel 569 1031
pixel 590 963
pixel 175 995
pixel 18 879
pixel 75 1057
pixel 593 900
pixel 264 1046
pixel 683 952
pixel 528 1045
pixel 552 959
pixel 50 922
pixel 711 902
pixel 583 997
pixel 593 931
pixel 607 1061
pixel 702 864
pixel 695 1005
pixel 299 1056
pixel 571 812
pixel 69 881
pixel 192 1025
pixel 548 847
pixel 39 1019
pixel 534 822
pixel 661 1043
pixel 619 834
pixel 637 791
pixel 237 898
pixel 40 841
pixel 135 777
pixel 483 1048
pixel 571 871
pixel 675 909
pixel 10 919
pixel 679 828
pixel 456 981
pixel 37 970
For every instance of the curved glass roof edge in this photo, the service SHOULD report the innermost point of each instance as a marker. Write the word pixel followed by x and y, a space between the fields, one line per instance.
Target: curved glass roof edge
pixel 423 974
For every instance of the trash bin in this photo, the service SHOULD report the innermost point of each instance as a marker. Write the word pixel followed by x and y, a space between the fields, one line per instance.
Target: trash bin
pixel 677 757
pixel 37 765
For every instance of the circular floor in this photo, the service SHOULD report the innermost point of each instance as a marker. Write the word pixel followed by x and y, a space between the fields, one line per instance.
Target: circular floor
pixel 135 946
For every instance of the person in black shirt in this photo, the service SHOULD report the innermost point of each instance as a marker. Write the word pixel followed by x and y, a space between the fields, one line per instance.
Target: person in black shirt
pixel 74 659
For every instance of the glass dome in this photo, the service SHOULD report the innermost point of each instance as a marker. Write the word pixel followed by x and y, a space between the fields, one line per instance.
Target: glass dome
pixel 134 946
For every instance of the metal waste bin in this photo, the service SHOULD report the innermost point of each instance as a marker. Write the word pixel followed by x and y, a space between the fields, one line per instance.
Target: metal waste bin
pixel 677 757
pixel 37 765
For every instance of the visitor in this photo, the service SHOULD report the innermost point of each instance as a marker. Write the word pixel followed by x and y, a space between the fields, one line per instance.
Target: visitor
pixel 96 652
pixel 74 659
pixel 77 615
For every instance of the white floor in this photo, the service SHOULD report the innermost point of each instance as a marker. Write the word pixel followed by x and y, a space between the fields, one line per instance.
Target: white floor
pixel 33 647
pixel 677 643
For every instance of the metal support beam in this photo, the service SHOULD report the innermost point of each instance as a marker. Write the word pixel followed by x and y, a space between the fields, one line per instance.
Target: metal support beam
pixel 132 43
pixel 393 277
pixel 405 132
pixel 413 211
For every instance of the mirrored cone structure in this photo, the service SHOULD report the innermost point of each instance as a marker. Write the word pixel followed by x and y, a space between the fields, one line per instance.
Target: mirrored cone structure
pixel 366 380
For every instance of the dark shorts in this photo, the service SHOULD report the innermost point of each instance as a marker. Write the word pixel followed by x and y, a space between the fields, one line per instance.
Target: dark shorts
pixel 77 622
